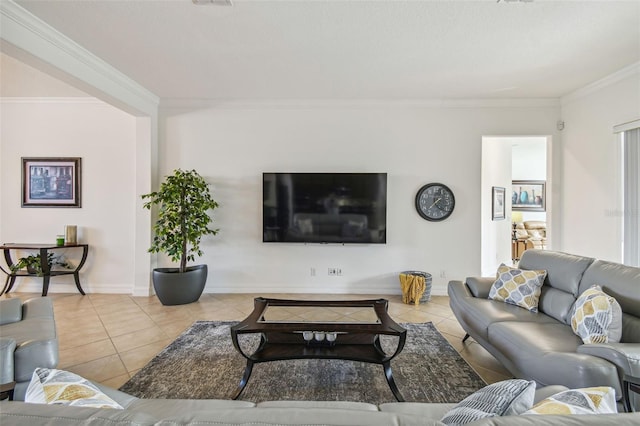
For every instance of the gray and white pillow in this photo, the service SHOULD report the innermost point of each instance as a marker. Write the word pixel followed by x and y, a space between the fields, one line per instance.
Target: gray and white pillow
pixel 506 398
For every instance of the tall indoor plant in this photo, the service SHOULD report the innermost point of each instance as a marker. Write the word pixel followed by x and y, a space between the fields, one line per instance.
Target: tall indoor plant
pixel 183 200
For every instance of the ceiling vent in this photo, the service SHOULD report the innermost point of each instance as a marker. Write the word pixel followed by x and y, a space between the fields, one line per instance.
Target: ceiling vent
pixel 214 2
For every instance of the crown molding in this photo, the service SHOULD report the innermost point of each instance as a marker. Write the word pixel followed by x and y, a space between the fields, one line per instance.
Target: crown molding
pixel 52 100
pixel 187 103
pixel 29 33
pixel 622 74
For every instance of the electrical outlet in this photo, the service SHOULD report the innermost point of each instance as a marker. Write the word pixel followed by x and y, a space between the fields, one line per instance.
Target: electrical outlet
pixel 339 272
pixel 313 272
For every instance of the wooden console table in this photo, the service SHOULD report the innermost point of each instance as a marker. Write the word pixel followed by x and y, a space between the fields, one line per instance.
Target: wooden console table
pixel 47 273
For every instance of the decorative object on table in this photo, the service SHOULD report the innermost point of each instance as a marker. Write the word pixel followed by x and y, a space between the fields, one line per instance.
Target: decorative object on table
pixel 528 195
pixel 415 286
pixel 59 240
pixel 51 182
pixel 184 200
pixel 435 202
pixel 201 363
pixel 71 234
pixel 498 203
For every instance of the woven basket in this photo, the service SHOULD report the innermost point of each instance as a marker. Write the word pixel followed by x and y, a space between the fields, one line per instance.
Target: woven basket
pixel 426 296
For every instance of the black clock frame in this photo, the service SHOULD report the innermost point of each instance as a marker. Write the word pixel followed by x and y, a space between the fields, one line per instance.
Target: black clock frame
pixel 423 214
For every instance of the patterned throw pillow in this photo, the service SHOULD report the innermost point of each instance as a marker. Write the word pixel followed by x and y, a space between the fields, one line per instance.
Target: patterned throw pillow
pixel 597 317
pixel 49 386
pixel 598 400
pixel 518 287
pixel 506 398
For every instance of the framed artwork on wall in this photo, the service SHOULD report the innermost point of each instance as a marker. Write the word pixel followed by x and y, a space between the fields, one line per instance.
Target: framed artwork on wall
pixel 51 182
pixel 528 196
pixel 498 205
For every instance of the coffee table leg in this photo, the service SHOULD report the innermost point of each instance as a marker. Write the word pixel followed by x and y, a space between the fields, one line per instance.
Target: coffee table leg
pixel 392 383
pixel 244 380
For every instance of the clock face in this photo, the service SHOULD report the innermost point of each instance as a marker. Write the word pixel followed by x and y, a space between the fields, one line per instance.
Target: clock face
pixel 435 202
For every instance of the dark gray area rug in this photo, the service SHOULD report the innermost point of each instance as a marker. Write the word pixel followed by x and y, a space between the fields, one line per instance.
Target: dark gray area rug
pixel 203 364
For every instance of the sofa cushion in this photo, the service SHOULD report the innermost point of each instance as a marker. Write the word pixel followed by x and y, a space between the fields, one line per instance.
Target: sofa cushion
pixel 545 351
pixel 564 271
pixel 595 400
pixel 518 287
pixel 10 310
pixel 597 317
pixel 509 397
pixel 50 386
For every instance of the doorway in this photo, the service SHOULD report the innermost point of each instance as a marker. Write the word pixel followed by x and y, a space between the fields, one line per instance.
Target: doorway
pixel 506 159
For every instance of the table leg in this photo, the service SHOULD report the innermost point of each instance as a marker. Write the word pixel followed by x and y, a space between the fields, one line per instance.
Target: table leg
pixel 392 383
pixel 8 284
pixel 76 277
pixel 244 380
pixel 45 284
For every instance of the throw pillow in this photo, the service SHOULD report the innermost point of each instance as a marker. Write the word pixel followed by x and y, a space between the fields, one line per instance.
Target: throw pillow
pixel 597 317
pixel 518 287
pixel 597 400
pixel 509 397
pixel 49 386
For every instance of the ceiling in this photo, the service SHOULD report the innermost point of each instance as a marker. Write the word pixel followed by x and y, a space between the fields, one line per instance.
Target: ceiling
pixel 385 49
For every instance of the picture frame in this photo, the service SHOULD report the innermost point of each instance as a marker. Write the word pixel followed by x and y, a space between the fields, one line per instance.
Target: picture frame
pixel 529 196
pixel 498 203
pixel 51 181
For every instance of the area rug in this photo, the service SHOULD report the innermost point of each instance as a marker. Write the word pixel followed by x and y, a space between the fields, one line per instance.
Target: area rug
pixel 203 364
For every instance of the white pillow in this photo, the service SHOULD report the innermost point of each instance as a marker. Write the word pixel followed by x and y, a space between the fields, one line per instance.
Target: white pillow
pixel 597 400
pixel 49 386
pixel 506 398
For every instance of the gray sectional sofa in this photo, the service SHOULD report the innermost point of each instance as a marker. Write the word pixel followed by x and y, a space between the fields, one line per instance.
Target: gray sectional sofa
pixel 542 346
pixel 140 412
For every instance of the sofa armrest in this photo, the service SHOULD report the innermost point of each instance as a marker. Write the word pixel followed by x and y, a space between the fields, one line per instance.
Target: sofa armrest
pixel 626 356
pixel 122 398
pixel 7 348
pixel 480 286
pixel 10 310
pixel 40 307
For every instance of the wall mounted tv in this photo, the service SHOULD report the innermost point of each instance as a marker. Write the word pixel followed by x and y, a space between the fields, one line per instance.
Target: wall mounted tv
pixel 324 208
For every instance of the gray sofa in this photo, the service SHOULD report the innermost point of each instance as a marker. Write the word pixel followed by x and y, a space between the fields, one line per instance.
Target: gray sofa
pixel 28 340
pixel 227 412
pixel 542 346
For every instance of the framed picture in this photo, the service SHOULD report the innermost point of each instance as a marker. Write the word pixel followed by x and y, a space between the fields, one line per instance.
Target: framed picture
pixel 51 182
pixel 498 207
pixel 528 196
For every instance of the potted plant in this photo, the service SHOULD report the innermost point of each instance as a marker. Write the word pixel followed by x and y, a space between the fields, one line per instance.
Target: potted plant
pixel 33 265
pixel 183 200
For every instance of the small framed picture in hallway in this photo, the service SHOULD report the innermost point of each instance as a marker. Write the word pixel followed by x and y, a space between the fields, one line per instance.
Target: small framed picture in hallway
pixel 498 207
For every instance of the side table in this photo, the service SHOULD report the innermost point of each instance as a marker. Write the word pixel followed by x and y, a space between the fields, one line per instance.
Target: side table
pixel 47 273
pixel 629 384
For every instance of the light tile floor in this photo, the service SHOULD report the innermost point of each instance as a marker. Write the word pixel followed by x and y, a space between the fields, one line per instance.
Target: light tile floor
pixel 108 338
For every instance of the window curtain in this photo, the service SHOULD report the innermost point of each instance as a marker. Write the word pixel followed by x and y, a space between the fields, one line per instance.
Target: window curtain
pixel 631 191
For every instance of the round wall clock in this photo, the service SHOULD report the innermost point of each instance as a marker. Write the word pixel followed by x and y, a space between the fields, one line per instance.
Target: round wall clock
pixel 435 202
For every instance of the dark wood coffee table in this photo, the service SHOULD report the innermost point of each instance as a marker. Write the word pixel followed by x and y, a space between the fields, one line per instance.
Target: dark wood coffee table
pixel 346 329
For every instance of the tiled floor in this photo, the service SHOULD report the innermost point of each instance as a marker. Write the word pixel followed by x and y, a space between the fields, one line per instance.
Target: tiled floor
pixel 108 338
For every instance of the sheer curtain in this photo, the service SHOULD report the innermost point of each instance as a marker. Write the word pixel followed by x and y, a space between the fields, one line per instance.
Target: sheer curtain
pixel 631 191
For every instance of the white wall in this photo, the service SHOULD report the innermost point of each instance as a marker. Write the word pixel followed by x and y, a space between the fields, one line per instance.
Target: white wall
pixel 231 146
pixel 591 201
pixel 496 234
pixel 104 137
pixel 529 162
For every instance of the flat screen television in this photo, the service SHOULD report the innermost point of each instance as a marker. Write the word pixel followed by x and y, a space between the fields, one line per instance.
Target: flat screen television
pixel 324 208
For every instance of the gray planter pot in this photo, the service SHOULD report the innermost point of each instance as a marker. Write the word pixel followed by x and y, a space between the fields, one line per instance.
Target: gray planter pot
pixel 179 288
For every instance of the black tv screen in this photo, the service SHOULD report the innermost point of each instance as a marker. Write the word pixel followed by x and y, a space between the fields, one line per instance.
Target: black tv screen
pixel 324 208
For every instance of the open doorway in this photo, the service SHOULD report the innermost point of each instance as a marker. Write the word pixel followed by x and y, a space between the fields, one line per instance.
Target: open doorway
pixel 521 165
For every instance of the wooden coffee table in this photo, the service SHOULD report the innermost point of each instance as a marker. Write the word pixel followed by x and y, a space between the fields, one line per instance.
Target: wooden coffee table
pixel 304 329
